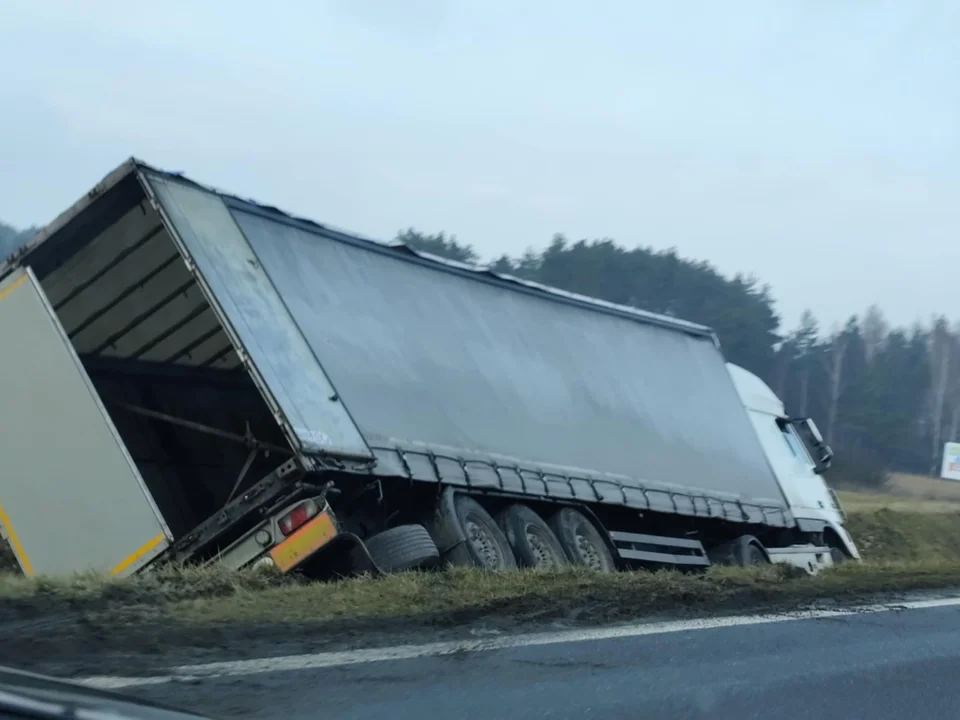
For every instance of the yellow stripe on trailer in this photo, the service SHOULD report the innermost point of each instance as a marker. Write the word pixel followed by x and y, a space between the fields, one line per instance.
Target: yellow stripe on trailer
pixel 20 281
pixel 14 540
pixel 150 545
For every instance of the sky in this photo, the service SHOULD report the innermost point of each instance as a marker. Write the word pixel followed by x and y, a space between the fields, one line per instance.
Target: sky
pixel 814 144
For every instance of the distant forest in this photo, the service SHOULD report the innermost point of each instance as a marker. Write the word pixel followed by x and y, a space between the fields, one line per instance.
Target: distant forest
pixel 886 398
pixel 11 238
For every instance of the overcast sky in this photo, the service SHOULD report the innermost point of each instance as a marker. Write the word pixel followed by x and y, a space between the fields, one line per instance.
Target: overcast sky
pixel 814 143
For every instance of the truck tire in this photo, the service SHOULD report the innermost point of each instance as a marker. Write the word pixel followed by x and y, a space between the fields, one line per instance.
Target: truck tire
pixel 743 551
pixel 837 555
pixel 752 552
pixel 534 543
pixel 838 552
pixel 405 547
pixel 581 541
pixel 467 536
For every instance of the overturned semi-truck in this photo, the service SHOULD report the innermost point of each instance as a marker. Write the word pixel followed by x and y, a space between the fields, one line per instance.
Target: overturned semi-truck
pixel 190 377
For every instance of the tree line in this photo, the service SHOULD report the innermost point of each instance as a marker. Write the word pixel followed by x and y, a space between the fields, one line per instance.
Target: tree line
pixel 887 398
pixel 11 238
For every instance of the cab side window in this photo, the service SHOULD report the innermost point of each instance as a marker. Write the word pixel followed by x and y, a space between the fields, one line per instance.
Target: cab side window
pixel 793 442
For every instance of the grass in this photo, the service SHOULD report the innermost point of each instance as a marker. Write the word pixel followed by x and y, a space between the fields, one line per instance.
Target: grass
pixel 915 518
pixel 908 543
pixel 886 534
pixel 910 493
pixel 210 597
pixel 922 487
pixel 463 595
pixel 95 626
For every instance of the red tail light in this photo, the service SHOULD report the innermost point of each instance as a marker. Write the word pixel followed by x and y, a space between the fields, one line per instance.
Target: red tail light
pixel 298 516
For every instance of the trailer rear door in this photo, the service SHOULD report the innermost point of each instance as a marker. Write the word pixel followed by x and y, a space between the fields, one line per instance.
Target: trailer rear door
pixel 71 498
pixel 279 358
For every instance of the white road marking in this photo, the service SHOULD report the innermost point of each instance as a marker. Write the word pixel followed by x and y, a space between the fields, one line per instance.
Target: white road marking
pixel 193 673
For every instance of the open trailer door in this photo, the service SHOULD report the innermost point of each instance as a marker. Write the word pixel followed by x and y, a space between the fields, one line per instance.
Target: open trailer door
pixel 71 498
pixel 263 330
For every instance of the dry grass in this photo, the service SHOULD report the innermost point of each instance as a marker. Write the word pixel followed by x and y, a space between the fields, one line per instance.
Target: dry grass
pixel 575 593
pixel 923 487
pixel 902 551
pixel 885 535
pixel 908 543
pixel 917 519
pixel 865 502
pixel 258 597
pixel 907 493
pixel 92 625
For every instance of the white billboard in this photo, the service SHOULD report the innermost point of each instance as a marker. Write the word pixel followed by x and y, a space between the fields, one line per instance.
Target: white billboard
pixel 951 461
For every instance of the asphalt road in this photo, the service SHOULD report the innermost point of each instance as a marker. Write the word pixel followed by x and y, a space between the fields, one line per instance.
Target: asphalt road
pixel 887 665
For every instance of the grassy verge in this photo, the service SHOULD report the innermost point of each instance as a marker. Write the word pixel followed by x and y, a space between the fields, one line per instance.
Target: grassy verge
pixel 459 595
pixel 905 548
pixel 571 594
pixel 893 535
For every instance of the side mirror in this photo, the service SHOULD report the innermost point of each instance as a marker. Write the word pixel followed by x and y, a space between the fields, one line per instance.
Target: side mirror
pixel 824 460
pixel 815 431
pixel 811 437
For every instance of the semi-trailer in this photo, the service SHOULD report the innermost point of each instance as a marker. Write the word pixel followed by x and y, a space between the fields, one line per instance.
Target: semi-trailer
pixel 192 377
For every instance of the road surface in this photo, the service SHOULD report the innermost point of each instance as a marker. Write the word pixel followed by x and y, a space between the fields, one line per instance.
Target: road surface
pixel 899 664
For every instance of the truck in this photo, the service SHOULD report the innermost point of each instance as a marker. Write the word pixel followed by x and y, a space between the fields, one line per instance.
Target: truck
pixel 189 377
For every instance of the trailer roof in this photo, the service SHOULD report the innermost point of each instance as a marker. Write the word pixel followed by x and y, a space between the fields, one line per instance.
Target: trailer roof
pixel 114 182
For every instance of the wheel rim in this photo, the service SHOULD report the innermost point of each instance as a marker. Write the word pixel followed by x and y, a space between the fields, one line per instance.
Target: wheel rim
pixel 588 552
pixel 543 554
pixel 483 543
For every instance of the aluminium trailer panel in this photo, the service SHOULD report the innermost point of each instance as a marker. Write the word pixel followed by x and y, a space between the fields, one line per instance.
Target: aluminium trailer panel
pixel 253 313
pixel 456 374
pixel 61 459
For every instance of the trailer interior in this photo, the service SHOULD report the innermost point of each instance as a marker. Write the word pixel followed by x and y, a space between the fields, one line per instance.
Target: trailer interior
pixel 190 415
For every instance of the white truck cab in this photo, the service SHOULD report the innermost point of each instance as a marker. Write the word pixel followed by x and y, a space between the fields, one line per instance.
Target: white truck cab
pixel 798 456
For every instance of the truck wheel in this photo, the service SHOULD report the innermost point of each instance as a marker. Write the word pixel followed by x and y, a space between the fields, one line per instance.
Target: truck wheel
pixel 837 552
pixel 581 541
pixel 468 536
pixel 753 554
pixel 748 551
pixel 405 547
pixel 534 543
pixel 743 551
